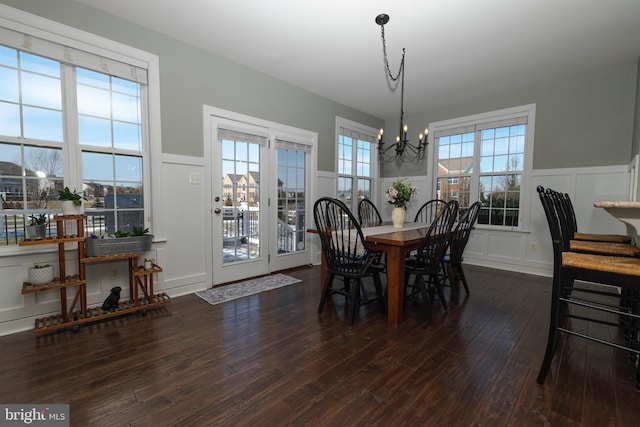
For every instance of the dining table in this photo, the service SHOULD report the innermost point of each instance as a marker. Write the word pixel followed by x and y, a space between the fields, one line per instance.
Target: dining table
pixel 395 243
pixel 626 212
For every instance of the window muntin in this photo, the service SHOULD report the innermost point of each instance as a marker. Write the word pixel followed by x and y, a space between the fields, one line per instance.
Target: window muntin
pixel 501 167
pixel 455 166
pixel 30 96
pixel 109 128
pixel 499 147
pixel 110 134
pixel 109 111
pixel 355 167
pixel 291 235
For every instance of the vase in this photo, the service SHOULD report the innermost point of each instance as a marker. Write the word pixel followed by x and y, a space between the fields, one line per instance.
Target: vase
pixel 398 216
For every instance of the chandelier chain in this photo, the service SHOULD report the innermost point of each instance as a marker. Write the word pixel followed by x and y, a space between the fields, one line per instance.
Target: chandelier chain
pixel 386 59
pixel 404 150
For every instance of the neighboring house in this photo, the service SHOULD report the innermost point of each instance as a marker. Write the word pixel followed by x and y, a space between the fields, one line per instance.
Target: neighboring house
pixel 450 183
pixel 246 188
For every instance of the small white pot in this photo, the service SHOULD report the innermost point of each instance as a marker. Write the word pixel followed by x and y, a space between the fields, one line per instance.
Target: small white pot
pixel 41 276
pixel 68 208
pixel 148 265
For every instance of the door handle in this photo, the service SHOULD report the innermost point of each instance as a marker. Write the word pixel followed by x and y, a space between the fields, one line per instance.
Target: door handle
pixel 217 211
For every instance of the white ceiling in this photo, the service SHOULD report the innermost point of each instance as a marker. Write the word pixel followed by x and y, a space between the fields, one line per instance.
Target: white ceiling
pixel 456 50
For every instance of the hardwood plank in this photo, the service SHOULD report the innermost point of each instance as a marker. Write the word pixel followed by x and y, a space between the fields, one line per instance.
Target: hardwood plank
pixel 269 359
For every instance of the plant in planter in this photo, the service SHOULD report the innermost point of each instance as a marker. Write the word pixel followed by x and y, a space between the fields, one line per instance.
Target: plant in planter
pixel 121 242
pixel 139 230
pixel 37 228
pixel 71 201
pixel 148 263
pixel 41 274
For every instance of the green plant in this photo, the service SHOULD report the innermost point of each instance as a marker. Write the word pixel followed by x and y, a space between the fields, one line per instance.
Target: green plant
pixel 119 233
pixel 40 219
pixel 139 230
pixel 73 196
pixel 151 260
pixel 41 266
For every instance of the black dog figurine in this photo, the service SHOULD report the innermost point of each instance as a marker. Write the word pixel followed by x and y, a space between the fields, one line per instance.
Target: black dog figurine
pixel 111 303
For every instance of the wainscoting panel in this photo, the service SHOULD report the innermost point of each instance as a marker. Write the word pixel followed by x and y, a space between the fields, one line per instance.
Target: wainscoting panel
pixel 187 250
pixel 533 254
pixel 507 247
pixel 12 278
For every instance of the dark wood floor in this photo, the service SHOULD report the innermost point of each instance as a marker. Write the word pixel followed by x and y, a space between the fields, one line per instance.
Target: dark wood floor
pixel 269 360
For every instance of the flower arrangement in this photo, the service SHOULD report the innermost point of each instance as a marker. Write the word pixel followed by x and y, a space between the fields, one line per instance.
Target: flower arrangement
pixel 401 193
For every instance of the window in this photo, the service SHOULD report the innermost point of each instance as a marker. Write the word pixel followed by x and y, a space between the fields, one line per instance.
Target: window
pixel 486 158
pixel 71 118
pixel 356 162
pixel 292 159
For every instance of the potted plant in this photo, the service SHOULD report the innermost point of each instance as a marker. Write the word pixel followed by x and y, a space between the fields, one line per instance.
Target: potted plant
pixel 41 274
pixel 37 228
pixel 148 263
pixel 121 242
pixel 71 201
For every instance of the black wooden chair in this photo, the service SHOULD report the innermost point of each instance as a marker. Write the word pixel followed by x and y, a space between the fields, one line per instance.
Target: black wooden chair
pixel 601 244
pixel 347 256
pixel 427 212
pixel 452 261
pixel 368 214
pixel 604 274
pixel 428 258
pixel 572 223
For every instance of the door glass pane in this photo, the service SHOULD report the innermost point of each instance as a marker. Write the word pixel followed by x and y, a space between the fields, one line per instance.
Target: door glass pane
pixel 291 220
pixel 241 195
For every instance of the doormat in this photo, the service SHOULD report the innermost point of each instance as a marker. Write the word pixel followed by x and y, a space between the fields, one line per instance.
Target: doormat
pixel 233 291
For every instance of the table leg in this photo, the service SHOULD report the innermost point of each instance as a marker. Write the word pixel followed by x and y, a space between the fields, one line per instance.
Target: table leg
pixel 395 285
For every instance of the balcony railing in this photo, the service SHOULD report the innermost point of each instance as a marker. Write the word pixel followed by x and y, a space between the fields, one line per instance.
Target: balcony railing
pixel 12 227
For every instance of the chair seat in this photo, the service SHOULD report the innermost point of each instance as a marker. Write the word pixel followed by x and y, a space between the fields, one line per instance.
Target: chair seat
pixel 614 238
pixel 607 264
pixel 605 248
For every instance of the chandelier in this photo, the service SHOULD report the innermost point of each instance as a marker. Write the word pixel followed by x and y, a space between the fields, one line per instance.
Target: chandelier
pixel 402 148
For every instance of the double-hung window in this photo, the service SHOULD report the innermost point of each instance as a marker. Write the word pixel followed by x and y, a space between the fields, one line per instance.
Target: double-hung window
pixel 356 162
pixel 486 158
pixel 70 117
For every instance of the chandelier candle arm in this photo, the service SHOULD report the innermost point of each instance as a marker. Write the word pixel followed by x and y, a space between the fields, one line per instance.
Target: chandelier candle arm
pixel 404 150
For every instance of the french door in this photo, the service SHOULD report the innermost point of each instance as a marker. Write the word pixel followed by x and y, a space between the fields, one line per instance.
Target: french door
pixel 239 171
pixel 260 189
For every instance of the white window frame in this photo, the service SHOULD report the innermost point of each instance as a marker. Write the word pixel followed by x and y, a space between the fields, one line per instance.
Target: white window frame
pixel 528 111
pixel 35 26
pixel 341 122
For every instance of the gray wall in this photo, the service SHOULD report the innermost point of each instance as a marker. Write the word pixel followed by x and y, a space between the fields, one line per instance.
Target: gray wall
pixel 581 121
pixel 190 78
pixel 585 120
pixel 635 149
